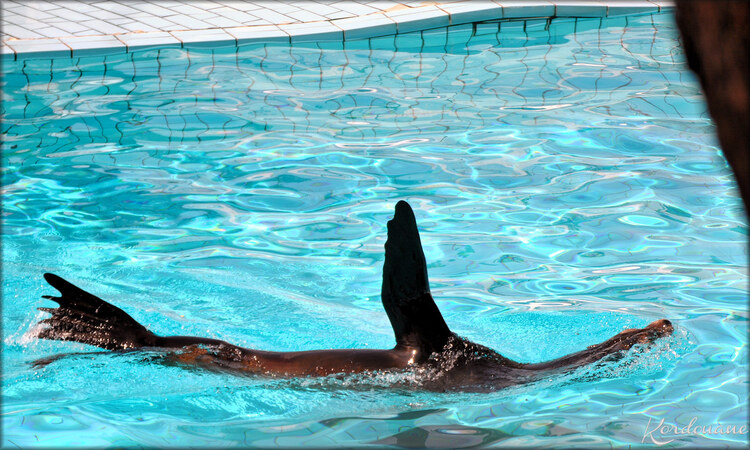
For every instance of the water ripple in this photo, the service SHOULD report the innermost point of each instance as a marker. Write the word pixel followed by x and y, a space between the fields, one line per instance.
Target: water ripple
pixel 567 184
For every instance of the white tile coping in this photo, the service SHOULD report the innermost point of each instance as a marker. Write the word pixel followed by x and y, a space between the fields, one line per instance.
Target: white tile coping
pixel 393 21
pixel 313 31
pixel 38 47
pixel 90 44
pixel 371 25
pixel 419 18
pixel 625 7
pixel 262 33
pixel 148 39
pixel 580 8
pixel 210 37
pixel 518 9
pixel 469 12
pixel 5 50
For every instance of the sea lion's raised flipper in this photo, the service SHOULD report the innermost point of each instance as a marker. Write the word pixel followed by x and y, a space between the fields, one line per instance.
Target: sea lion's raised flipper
pixel 83 317
pixel 406 296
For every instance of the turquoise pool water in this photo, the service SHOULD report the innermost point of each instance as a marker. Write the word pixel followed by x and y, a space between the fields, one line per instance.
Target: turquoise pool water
pixel 565 177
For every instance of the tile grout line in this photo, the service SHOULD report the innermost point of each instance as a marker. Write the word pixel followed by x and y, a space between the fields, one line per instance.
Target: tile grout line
pixel 182 44
pixel 127 47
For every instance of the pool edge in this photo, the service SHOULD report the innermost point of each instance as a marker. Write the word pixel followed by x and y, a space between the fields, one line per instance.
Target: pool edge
pixel 367 26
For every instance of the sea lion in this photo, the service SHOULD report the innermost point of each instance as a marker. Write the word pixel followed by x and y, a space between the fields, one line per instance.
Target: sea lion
pixel 422 337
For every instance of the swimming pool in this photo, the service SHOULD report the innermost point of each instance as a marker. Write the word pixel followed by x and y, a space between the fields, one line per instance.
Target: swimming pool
pixel 567 185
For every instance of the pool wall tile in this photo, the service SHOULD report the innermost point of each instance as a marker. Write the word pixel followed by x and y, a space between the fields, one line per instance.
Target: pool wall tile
pixel 150 39
pixel 406 41
pixel 536 25
pixel 526 9
pixel 382 41
pixel 313 31
pixel 435 37
pixel 368 26
pixel 472 12
pixel 459 33
pixel 562 26
pixel 94 44
pixel 39 48
pixel 204 38
pixel 587 24
pixel 513 26
pixel 7 53
pixel 258 33
pixel 579 8
pixel 486 28
pixel 617 21
pixel 356 45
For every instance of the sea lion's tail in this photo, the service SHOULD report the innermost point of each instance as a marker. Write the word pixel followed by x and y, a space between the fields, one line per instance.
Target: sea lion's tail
pixel 83 317
pixel 415 318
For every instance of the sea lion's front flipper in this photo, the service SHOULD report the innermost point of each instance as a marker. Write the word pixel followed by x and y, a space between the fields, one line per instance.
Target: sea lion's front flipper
pixel 406 296
pixel 612 347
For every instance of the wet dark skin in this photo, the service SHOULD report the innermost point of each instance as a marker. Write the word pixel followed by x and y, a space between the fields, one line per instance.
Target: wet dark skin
pixel 422 337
